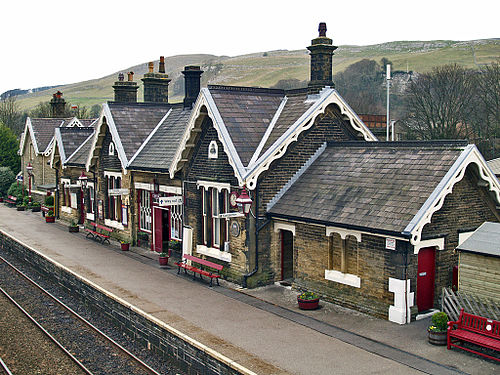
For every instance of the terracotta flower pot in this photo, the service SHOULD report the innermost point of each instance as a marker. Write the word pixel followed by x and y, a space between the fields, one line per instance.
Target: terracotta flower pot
pixel 125 246
pixel 437 338
pixel 50 219
pixel 308 304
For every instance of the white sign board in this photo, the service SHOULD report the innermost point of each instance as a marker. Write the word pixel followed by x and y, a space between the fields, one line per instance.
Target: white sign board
pixel 390 243
pixel 230 214
pixel 170 201
pixel 118 191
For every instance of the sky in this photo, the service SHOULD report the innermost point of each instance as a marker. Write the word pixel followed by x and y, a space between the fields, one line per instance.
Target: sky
pixel 59 42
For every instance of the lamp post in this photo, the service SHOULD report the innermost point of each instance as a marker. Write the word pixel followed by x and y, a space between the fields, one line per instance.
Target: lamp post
pixel 29 169
pixel 83 184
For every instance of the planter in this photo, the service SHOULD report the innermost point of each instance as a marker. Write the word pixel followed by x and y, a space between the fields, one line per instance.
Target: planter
pixel 50 219
pixel 308 304
pixel 35 209
pixel 21 208
pixel 437 338
pixel 73 229
pixel 125 246
pixel 163 261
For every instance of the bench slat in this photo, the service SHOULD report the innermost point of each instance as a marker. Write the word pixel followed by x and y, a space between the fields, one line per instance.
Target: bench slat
pixel 207 263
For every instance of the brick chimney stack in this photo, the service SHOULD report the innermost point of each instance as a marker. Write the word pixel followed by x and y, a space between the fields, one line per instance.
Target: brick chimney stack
pixel 57 105
pixel 156 84
pixel 192 84
pixel 321 49
pixel 126 91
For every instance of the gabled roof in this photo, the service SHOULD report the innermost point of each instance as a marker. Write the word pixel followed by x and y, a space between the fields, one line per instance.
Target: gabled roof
pixel 256 126
pixel 130 124
pixel 378 186
pixel 81 154
pixel 69 139
pixel 157 151
pixel 485 240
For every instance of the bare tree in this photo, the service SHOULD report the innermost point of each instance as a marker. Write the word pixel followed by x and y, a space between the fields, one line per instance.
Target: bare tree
pixel 440 104
pixel 10 115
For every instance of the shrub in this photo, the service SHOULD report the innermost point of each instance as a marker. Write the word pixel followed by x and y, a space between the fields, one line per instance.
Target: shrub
pixel 308 295
pixel 49 200
pixel 7 177
pixel 439 322
pixel 50 213
pixel 16 190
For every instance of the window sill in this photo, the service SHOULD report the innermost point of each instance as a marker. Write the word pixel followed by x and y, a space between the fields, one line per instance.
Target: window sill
pixel 343 278
pixel 214 253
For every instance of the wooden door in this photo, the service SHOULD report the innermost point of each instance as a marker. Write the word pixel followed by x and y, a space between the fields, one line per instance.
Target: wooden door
pixel 425 278
pixel 286 255
pixel 158 229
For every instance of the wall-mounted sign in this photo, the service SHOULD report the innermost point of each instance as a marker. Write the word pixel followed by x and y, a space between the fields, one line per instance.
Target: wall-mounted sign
pixel 235 229
pixel 231 214
pixel 390 243
pixel 118 191
pixel 170 201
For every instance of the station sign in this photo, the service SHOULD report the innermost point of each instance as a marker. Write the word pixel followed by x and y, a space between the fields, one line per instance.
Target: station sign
pixel 170 201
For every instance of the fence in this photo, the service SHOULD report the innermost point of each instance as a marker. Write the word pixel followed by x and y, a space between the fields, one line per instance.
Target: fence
pixel 453 302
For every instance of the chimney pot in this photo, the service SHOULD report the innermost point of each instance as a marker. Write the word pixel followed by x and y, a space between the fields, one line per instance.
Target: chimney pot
pixel 120 77
pixel 151 66
pixel 130 76
pixel 322 29
pixel 161 68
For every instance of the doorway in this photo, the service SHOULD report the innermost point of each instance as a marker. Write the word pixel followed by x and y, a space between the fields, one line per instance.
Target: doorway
pixel 425 278
pixel 161 224
pixel 286 255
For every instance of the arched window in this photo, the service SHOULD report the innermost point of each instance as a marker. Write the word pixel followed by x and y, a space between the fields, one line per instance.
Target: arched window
pixel 213 150
pixel 111 149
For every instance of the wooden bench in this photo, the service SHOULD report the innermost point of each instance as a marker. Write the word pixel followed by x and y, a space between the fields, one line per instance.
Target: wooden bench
pixel 11 200
pixel 102 235
pixel 202 262
pixel 476 330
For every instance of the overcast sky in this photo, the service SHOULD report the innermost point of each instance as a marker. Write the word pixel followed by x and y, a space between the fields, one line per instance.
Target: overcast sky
pixel 59 42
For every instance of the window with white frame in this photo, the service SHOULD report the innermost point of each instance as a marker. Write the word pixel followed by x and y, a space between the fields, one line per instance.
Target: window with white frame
pixel 114 201
pixel 215 229
pixel 90 198
pixel 176 222
pixel 111 149
pixel 145 210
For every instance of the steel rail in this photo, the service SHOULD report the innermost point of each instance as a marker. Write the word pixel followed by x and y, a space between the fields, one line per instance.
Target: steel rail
pixel 52 338
pixel 4 367
pixel 83 320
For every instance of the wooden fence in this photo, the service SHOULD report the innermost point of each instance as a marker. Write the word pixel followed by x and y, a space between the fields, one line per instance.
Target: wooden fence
pixel 453 302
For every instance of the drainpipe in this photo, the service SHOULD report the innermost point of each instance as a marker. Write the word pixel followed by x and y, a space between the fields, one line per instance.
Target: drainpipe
pixel 56 194
pixel 257 230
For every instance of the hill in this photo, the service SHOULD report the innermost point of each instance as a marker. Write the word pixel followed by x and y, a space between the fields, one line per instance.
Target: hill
pixel 267 68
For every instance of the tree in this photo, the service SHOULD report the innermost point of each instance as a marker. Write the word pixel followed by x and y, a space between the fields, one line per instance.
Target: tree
pixel 361 85
pixel 440 104
pixel 8 149
pixel 10 115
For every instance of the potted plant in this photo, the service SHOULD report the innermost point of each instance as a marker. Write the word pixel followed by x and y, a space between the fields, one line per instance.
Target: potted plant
pixel 437 332
pixel 174 245
pixel 35 207
pixel 21 207
pixel 49 203
pixel 50 218
pixel 163 259
pixel 308 301
pixel 125 245
pixel 73 227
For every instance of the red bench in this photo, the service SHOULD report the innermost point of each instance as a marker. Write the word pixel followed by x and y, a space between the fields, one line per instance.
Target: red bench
pixel 11 200
pixel 202 262
pixel 476 330
pixel 102 235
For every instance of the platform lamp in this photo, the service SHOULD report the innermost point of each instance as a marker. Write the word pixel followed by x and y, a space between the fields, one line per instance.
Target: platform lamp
pixel 83 184
pixel 29 169
pixel 244 202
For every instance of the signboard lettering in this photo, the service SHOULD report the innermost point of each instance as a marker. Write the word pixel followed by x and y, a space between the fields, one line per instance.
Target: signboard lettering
pixel 170 201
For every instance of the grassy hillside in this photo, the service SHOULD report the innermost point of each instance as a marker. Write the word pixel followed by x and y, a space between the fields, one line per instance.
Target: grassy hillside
pixel 267 68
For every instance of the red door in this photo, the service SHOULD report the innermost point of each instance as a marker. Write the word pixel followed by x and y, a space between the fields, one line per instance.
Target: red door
pixel 158 230
pixel 425 278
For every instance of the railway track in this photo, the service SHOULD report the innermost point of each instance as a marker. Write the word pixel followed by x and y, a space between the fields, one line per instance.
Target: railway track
pixel 87 346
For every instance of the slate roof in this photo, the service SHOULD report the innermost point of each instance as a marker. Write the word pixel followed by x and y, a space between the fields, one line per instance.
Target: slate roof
pixel 494 164
pixel 80 156
pixel 485 240
pixel 368 185
pixel 72 138
pixel 135 121
pixel 43 130
pixel 247 113
pixel 158 151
